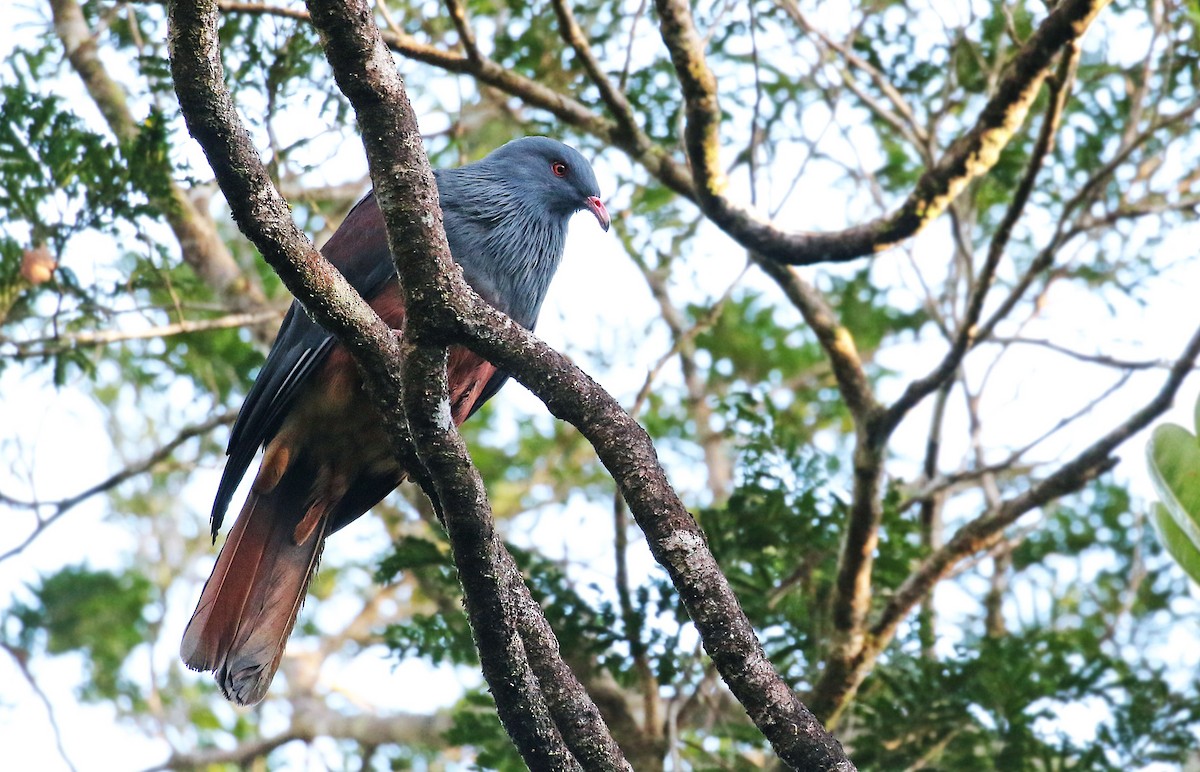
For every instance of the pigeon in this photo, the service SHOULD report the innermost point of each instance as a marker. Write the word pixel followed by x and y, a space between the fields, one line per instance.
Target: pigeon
pixel 326 458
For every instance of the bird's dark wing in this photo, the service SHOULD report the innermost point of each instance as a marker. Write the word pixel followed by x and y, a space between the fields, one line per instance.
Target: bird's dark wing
pixel 359 251
pixel 498 379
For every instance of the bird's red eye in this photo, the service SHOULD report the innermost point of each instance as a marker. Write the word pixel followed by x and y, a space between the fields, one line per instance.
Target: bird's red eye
pixel 559 168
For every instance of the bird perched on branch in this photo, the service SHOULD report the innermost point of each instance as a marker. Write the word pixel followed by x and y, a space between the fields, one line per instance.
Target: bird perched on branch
pixel 327 459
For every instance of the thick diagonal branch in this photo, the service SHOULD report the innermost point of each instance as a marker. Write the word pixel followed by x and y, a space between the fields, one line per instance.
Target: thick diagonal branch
pixel 972 155
pixel 400 169
pixel 675 539
pixel 622 444
pixel 477 551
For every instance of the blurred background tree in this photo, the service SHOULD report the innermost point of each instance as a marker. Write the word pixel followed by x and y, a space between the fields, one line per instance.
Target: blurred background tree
pixel 906 463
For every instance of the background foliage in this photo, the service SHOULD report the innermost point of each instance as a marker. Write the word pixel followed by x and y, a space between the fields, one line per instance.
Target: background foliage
pixel 125 346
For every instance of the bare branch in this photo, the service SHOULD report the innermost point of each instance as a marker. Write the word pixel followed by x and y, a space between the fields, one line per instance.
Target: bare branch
pixel 571 111
pixel 970 156
pixel 21 660
pixel 613 97
pixel 56 344
pixel 834 338
pixel 243 754
pixel 466 37
pixel 902 119
pixel 627 452
pixel 1096 359
pixel 852 598
pixel 62 506
pixel 967 333
pixel 397 160
pixel 987 529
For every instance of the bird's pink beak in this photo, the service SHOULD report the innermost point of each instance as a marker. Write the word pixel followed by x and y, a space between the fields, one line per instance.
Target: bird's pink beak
pixel 596 206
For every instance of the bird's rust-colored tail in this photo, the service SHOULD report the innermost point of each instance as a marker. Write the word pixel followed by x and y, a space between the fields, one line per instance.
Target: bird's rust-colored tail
pixel 251 601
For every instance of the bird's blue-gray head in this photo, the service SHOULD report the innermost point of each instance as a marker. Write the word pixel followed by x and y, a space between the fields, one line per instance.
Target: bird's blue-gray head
pixel 506 219
pixel 549 175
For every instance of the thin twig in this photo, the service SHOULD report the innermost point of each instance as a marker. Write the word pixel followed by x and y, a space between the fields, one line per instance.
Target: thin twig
pixel 968 334
pixel 63 506
pixel 20 658
pixel 56 344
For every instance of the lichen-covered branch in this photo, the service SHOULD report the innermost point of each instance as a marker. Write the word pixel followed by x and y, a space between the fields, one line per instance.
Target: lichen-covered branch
pixel 448 307
pixel 624 447
pixel 675 539
pixel 972 155
pixel 476 549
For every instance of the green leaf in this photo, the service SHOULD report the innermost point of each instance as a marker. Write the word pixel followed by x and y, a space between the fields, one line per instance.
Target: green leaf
pixel 1173 456
pixel 1178 545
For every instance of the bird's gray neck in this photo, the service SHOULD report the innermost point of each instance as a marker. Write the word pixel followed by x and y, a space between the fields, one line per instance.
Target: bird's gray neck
pixel 508 249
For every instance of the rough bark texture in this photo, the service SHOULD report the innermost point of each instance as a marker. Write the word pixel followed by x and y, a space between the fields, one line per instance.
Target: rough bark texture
pixel 674 537
pixel 395 153
pixel 484 575
pixel 265 219
pixel 971 156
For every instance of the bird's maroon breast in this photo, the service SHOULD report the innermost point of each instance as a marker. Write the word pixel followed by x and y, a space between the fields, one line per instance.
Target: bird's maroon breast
pixel 334 424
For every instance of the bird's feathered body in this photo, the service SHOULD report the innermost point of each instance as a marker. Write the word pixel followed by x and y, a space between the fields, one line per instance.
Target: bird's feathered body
pixel 327 459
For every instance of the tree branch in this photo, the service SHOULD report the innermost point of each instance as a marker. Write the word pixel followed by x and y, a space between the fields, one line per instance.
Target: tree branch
pixel 571 111
pixel 675 540
pixel 199 243
pixel 243 754
pixel 970 156
pixel 852 593
pixel 988 529
pixel 903 119
pixel 476 548
pixel 968 330
pixel 63 506
pixel 614 98
pixel 20 658
pixel 56 344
